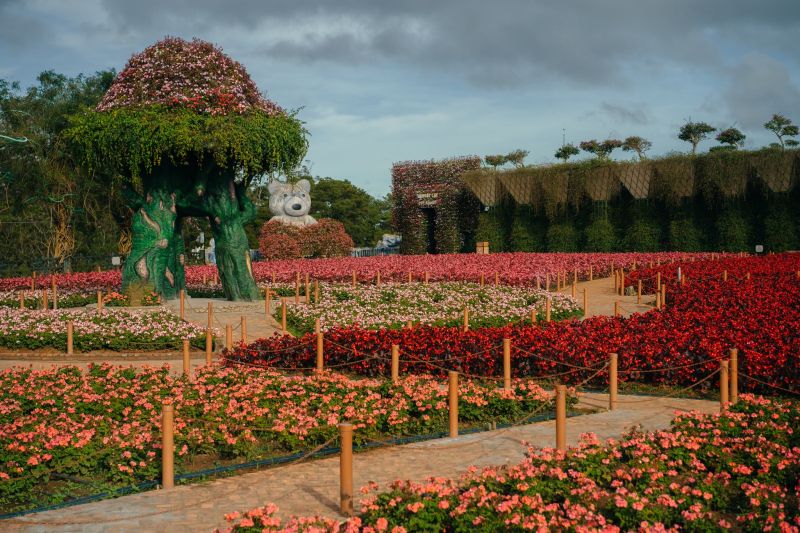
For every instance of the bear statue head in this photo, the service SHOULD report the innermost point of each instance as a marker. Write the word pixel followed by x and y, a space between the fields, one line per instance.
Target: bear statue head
pixel 291 202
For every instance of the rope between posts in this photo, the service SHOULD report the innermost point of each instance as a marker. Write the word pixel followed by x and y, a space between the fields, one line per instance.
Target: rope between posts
pixel 674 393
pixel 553 360
pixel 776 387
pixel 665 369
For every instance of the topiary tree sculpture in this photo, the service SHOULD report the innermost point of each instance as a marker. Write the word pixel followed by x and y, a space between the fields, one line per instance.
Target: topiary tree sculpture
pixel 186 129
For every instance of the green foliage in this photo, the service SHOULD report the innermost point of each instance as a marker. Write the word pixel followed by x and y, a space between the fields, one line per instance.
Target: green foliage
pixel 490 230
pixel 642 235
pixel 733 232
pixel 600 236
pixel 134 141
pixel 782 127
pixel 562 238
pixel 517 157
pixel 731 137
pixel 684 236
pixel 780 233
pixel 521 238
pixel 495 161
pixel 694 133
pixel 365 218
pixel 566 151
pixel 601 149
pixel 636 144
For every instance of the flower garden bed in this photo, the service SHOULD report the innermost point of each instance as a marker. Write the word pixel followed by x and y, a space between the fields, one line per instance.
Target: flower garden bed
pixel 106 329
pixel 438 304
pixel 65 432
pixel 736 470
pixel 678 345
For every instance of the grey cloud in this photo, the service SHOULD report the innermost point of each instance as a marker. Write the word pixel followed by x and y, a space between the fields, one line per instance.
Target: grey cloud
pixel 760 86
pixel 632 114
pixel 18 29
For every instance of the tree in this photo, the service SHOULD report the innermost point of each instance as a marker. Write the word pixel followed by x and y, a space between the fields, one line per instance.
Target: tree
pixel 566 151
pixel 496 160
pixel 694 133
pixel 731 139
pixel 601 149
pixel 517 157
pixel 783 127
pixel 365 218
pixel 637 144
pixel 187 131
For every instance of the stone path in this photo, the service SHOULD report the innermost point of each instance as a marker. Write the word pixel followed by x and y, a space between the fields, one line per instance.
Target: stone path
pixel 311 487
pixel 601 298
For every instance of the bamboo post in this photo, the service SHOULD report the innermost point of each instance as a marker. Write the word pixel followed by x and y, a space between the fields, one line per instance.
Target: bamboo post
pixel 507 364
pixel 723 384
pixel 243 327
pixel 346 469
pixel 283 317
pixel 664 296
pixel 167 446
pixel 452 395
pixel 612 381
pixel 561 417
pixel 22 300
pixel 316 292
pixel 209 346
pixel 320 352
pixel 547 306
pixel 585 302
pixel 734 375
pixel 228 337
pixel 616 308
pixel 466 319
pixel 211 314
pixel 99 300
pixel 182 304
pixel 395 363
pixel 187 363
pixel 70 337
pixel 639 293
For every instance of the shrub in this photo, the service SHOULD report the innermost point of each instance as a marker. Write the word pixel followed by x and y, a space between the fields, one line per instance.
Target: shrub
pixel 733 232
pixel 600 236
pixel 779 231
pixel 279 241
pixel 642 236
pixel 684 236
pixel 562 238
pixel 490 230
pixel 326 238
pixel 522 239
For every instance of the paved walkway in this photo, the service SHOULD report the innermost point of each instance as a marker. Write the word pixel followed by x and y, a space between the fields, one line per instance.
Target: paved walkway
pixel 601 297
pixel 311 487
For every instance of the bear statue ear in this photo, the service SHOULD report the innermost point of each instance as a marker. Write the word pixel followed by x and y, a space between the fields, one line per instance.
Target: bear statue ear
pixel 274 186
pixel 303 186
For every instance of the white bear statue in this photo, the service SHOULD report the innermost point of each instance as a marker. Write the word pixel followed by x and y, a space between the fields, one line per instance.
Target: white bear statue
pixel 290 202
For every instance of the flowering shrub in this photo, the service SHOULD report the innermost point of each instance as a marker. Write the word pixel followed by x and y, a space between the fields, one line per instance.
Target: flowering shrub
pixel 392 305
pixel 676 346
pixel 103 425
pixel 736 470
pixel 191 74
pixel 96 330
pixel 326 238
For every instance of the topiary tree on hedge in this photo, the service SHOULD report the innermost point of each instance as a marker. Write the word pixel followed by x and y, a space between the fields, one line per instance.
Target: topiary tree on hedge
pixel 186 129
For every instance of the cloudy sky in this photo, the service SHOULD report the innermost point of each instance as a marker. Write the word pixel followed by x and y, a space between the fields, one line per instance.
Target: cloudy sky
pixel 380 81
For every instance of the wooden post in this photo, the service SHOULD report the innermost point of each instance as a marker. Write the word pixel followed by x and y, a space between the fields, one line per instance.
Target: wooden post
pixel 466 319
pixel 658 281
pixel 734 372
pixel 585 302
pixel 426 277
pixel 45 304
pixel 99 300
pixel 724 275
pixel 538 283
pixel 33 281
pixel 346 469
pixel 533 316
pixel 658 300
pixel 664 296
pixel 616 308
pixel 320 352
pixel 70 337
pixel 639 293
pixel 621 282
pixel 167 446
pixel 187 363
pixel 747 276
pixel 496 279
pixel 482 280
pixel 22 300
pixel 612 381
pixel 308 291
pixel 182 304
pixel 228 337
pixel 354 279
pixel 378 278
pixel 243 327
pixel 410 277
pixel 591 277
pixel 211 314
pixel 316 292
pixel 616 281
pixel 574 289
pixel 273 277
pixel 561 417
pixel 283 317
pixel 55 294
pixel 547 306
pixel 209 346
pixel 575 276
pixel 452 395
pixel 723 384
pixel 297 288
pixel 507 364
pixel 395 363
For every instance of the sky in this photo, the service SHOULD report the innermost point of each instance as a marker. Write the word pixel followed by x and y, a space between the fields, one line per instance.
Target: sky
pixel 378 82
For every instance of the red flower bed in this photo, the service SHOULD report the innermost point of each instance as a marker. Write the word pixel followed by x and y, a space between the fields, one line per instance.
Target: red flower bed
pixel 677 346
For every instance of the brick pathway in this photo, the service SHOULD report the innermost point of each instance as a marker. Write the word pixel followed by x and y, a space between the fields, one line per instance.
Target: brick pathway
pixel 312 487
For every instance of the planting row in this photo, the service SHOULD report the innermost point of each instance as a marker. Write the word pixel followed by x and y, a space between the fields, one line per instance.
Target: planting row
pixel 392 305
pixel 67 298
pixel 102 427
pixel 518 268
pixel 94 329
pixel 679 345
pixel 737 470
